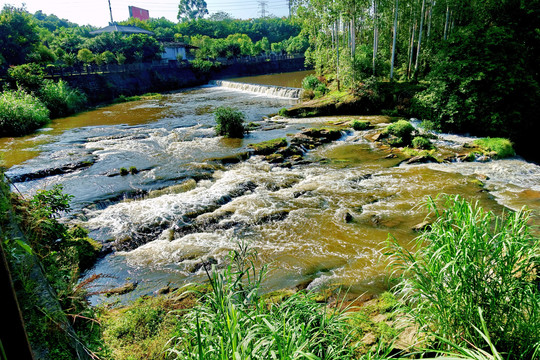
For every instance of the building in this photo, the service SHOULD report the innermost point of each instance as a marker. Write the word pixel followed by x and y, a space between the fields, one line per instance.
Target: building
pixel 114 27
pixel 175 51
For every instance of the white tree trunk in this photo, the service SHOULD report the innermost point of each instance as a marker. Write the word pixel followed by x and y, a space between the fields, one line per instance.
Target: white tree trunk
pixel 420 36
pixel 394 41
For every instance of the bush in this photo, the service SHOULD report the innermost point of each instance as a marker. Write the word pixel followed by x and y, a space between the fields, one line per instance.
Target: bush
pixel 471 262
pixel 229 122
pixel 21 113
pixel 360 125
pixel 503 147
pixel 311 82
pixel 420 142
pixel 402 130
pixel 60 98
pixel 28 77
pixel 283 112
pixel 202 66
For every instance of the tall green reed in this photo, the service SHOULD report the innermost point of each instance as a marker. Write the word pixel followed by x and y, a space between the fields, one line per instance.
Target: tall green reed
pixel 21 113
pixel 471 259
pixel 232 321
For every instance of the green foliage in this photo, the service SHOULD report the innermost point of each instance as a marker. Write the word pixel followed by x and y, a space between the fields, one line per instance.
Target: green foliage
pixel 232 321
pixel 402 130
pixel 60 98
pixel 86 56
pixel 420 142
pixel 191 9
pixel 133 170
pixel 28 77
pixel 137 324
pixel 123 171
pixel 18 35
pixel 21 113
pixel 502 147
pixel 360 125
pixel 471 259
pixel 268 147
pixel 283 112
pixel 311 82
pixel 229 122
pixel 202 66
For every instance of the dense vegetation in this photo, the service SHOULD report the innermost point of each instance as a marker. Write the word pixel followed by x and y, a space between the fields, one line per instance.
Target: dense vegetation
pixel 33 100
pixel 473 269
pixel 229 122
pixel 46 260
pixel 478 60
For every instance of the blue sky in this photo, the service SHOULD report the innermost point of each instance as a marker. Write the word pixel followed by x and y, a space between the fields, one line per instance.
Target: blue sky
pixel 96 12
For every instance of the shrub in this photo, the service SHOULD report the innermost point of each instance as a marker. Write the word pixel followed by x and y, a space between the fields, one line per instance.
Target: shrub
pixel 202 66
pixel 311 82
pixel 402 130
pixel 60 98
pixel 360 125
pixel 420 142
pixel 28 77
pixel 229 122
pixel 471 262
pixel 21 113
pixel 133 170
pixel 123 171
pixel 283 112
pixel 503 147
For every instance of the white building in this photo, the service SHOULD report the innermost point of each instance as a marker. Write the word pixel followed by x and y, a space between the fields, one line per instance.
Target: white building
pixel 175 51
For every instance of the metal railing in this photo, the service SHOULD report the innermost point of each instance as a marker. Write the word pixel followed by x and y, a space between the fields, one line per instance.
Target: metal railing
pixel 61 71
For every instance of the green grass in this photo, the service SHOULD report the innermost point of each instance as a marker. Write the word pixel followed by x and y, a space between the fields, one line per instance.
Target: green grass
pixel 501 146
pixel 472 262
pixel 360 125
pixel 268 147
pixel 147 96
pixel 60 98
pixel 21 113
pixel 233 322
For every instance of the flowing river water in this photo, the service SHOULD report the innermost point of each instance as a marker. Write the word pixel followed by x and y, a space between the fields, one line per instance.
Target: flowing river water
pixel 318 223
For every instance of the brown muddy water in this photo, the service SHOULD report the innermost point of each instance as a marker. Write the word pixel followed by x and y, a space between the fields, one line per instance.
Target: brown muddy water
pixel 290 79
pixel 318 224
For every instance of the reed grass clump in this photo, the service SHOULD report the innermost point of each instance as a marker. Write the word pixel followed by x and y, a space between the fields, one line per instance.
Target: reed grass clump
pixel 233 322
pixel 472 262
pixel 60 98
pixel 21 113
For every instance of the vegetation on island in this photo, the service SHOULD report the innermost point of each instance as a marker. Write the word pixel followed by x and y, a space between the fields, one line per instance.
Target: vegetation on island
pixel 229 122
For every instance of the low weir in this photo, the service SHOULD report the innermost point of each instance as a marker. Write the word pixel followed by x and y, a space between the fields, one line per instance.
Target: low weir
pixel 268 90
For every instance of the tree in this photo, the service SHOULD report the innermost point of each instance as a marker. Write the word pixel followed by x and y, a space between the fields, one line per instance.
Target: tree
pixel 192 10
pixel 18 35
pixel 85 56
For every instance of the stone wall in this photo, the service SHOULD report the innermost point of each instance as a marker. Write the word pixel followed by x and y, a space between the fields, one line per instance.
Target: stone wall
pixel 102 88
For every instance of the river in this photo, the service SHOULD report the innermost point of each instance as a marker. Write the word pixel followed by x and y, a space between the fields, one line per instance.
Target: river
pixel 295 218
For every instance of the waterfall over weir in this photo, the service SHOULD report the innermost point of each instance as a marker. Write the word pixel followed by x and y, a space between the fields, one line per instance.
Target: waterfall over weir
pixel 268 90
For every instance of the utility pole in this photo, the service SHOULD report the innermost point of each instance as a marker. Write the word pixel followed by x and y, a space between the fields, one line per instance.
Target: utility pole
pixel 262 6
pixel 290 7
pixel 110 10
